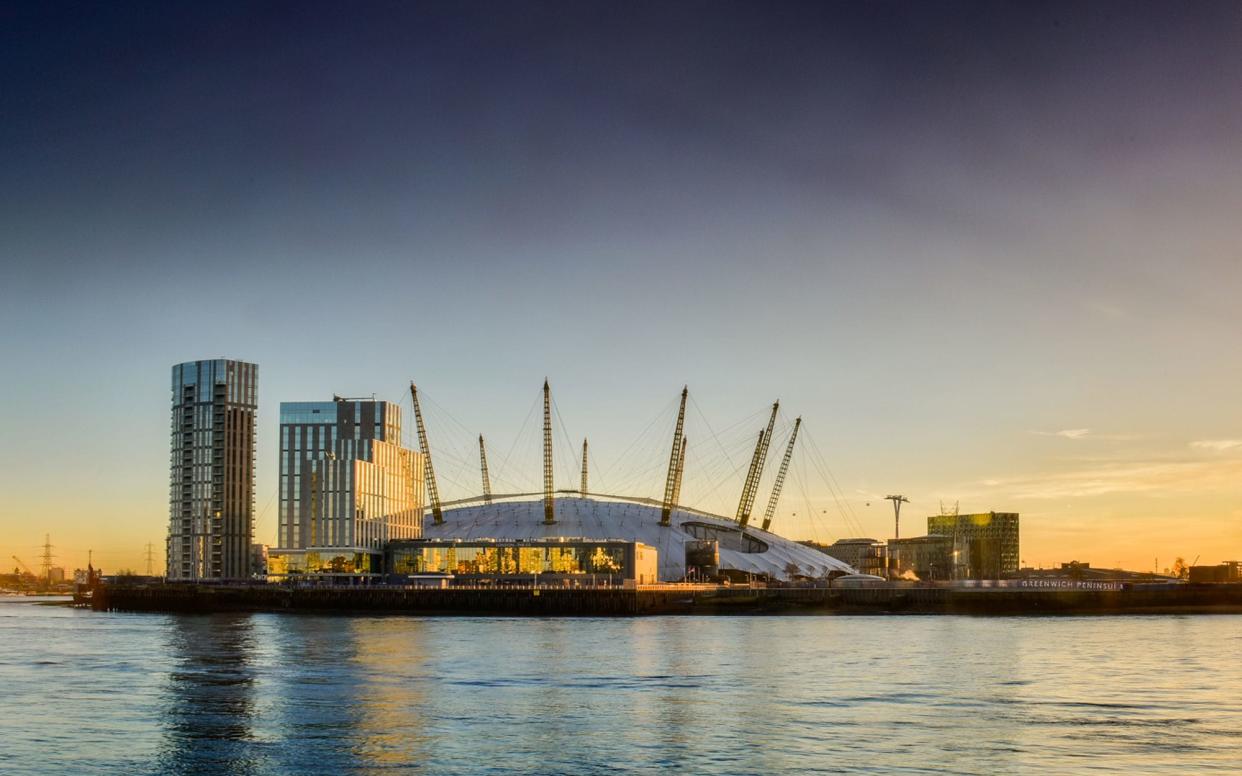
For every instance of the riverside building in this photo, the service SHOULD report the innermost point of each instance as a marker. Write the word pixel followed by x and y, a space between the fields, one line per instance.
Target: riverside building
pixel 985 544
pixel 927 558
pixel 347 487
pixel 211 480
pixel 866 556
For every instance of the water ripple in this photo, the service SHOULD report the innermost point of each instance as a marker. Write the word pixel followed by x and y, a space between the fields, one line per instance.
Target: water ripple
pixel 270 694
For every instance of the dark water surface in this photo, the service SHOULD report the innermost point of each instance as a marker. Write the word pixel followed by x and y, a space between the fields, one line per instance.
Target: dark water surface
pixel 269 694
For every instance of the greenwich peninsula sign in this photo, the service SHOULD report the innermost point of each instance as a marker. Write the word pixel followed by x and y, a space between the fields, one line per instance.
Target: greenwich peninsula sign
pixel 1065 584
pixel 1040 584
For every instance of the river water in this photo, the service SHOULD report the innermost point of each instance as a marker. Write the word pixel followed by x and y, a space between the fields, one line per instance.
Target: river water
pixel 286 694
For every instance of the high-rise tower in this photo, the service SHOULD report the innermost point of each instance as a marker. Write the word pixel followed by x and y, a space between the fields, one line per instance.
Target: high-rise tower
pixel 211 483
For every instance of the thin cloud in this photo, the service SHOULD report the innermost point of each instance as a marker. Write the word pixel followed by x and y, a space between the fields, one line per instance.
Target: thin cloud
pixel 1069 433
pixel 1108 310
pixel 1217 445
pixel 1150 477
pixel 1086 433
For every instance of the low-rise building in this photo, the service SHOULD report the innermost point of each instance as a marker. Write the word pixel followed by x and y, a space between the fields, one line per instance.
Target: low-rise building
pixel 866 556
pixel 927 558
pixel 258 559
pixel 1229 571
pixel 702 558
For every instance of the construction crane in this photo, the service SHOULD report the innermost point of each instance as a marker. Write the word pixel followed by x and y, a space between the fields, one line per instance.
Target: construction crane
pixel 584 467
pixel 22 563
pixel 751 488
pixel 666 510
pixel 487 481
pixel 429 475
pixel 549 516
pixel 780 477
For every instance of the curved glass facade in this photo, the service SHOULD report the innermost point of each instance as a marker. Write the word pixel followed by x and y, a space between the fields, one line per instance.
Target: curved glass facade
pixel 617 560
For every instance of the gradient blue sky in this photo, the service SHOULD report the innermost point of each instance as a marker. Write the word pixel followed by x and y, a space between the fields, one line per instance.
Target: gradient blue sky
pixel 989 251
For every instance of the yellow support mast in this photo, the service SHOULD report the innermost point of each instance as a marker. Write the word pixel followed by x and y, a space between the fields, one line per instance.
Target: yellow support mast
pixel 780 477
pixel 584 467
pixel 429 475
pixel 487 481
pixel 674 457
pixel 681 469
pixel 549 516
pixel 751 488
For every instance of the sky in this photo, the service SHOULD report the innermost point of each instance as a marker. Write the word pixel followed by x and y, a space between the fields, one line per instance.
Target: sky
pixel 987 251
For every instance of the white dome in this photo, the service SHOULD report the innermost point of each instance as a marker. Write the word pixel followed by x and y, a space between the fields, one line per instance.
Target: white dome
pixel 638 520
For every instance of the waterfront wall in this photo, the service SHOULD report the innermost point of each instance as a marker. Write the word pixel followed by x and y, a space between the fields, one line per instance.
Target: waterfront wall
pixel 666 599
pixel 186 598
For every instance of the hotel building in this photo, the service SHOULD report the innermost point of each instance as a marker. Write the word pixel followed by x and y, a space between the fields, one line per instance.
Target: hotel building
pixel 347 487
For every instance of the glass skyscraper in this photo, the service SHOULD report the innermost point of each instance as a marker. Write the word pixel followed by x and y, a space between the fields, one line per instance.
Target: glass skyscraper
pixel 347 486
pixel 211 491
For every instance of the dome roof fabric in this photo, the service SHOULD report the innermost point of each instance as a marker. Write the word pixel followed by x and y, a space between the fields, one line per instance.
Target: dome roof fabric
pixel 633 520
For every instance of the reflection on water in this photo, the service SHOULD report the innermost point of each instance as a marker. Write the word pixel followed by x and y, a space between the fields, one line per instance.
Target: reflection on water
pixel 387 728
pixel 209 696
pixel 272 694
